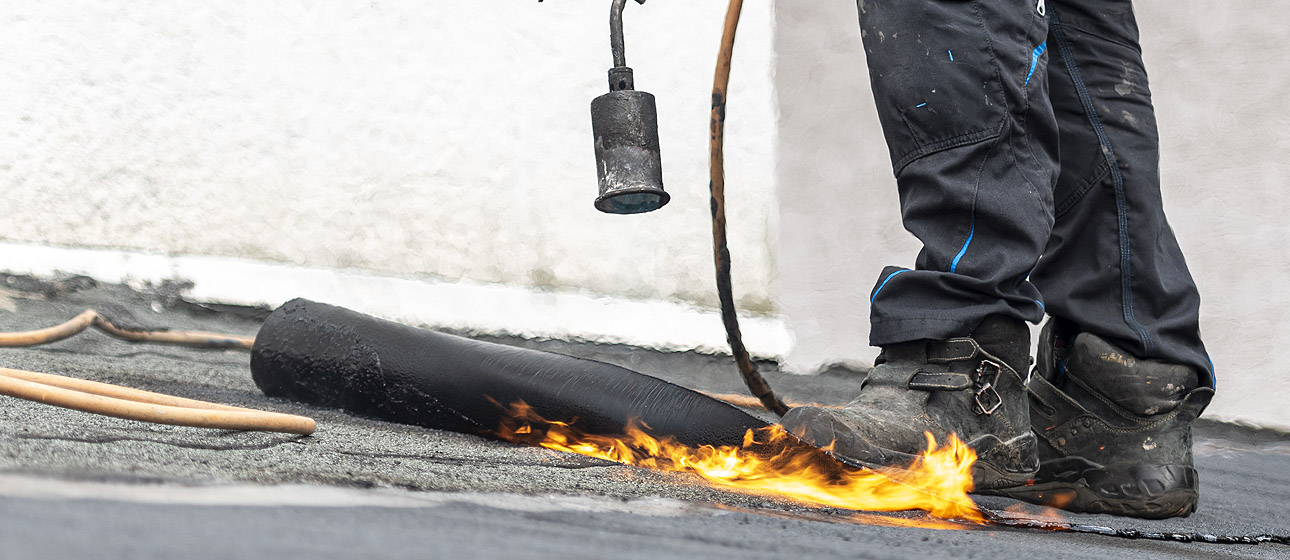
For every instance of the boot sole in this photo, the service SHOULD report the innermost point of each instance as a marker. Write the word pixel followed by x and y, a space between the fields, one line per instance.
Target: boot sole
pixel 1145 491
pixel 1077 498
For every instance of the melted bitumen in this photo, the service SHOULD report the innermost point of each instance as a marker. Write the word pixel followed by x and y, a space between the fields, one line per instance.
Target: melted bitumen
pixel 997 518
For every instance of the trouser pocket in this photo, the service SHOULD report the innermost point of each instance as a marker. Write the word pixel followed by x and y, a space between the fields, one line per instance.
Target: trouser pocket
pixel 934 72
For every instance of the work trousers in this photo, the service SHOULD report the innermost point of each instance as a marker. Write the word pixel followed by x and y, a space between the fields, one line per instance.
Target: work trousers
pixel 1025 149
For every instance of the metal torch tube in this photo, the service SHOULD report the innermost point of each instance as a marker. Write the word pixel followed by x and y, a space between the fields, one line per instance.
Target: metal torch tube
pixel 616 33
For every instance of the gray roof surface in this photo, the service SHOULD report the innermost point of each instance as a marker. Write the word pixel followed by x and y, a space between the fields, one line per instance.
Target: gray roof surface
pixel 79 485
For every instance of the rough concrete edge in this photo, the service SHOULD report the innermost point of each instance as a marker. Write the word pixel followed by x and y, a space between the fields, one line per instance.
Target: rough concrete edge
pixel 174 295
pixel 460 306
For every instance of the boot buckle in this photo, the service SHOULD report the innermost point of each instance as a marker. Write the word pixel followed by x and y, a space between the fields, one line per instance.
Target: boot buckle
pixel 985 388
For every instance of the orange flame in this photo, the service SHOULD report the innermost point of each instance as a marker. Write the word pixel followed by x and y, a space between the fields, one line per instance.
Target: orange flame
pixel 771 461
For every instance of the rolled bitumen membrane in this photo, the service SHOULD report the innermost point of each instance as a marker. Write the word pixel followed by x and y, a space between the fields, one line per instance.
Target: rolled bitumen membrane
pixel 334 357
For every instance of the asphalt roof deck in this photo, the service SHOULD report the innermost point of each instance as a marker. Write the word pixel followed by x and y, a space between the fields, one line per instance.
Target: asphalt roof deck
pixel 360 487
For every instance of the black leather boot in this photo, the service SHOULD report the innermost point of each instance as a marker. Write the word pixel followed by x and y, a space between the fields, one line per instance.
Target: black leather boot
pixel 966 386
pixel 1114 430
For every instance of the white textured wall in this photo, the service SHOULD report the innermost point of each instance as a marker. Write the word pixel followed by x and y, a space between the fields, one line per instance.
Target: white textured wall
pixel 1219 87
pixel 839 215
pixel 409 138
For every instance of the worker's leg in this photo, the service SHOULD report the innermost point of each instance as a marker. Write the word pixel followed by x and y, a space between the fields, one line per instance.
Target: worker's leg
pixel 961 93
pixel 1113 266
pixel 1121 372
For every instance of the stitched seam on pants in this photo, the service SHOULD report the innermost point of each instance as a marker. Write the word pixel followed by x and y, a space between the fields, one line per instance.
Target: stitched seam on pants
pixel 1022 126
pixel 994 144
pixel 1007 108
pixel 1099 173
pixel 994 59
pixel 1085 30
pixel 1030 147
pixel 1117 180
pixel 976 190
pixel 953 142
pixel 882 285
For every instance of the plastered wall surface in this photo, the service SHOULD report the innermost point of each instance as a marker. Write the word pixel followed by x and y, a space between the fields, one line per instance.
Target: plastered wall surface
pixel 1225 161
pixel 839 214
pixel 449 140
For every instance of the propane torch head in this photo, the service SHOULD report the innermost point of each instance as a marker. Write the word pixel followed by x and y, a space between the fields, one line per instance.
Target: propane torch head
pixel 624 123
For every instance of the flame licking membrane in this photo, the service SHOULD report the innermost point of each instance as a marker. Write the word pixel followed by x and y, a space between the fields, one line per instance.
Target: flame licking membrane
pixel 772 461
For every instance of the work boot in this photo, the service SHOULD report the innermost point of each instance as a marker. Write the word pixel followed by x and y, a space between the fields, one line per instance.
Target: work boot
pixel 1114 430
pixel 963 386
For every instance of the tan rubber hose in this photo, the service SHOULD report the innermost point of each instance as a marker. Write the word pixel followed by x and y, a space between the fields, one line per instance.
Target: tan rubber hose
pixel 144 406
pixel 91 318
pixel 114 391
pixel 133 404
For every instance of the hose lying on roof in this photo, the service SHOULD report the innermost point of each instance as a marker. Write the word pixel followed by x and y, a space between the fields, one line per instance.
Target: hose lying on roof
pixel 133 404
pixel 91 318
pixel 333 357
pixel 144 406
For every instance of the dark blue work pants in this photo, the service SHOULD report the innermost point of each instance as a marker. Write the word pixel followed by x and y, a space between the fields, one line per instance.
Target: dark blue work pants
pixel 1026 154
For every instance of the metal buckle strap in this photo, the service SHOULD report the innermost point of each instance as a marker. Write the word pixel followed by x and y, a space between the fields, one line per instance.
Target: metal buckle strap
pixel 985 388
pixel 952 350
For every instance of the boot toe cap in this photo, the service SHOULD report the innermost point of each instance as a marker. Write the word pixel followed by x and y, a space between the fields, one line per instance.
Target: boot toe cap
pixel 843 436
